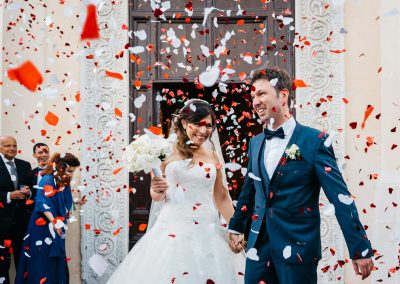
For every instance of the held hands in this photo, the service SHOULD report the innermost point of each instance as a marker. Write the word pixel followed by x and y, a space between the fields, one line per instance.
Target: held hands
pixel 363 267
pixel 236 242
pixel 22 193
pixel 158 188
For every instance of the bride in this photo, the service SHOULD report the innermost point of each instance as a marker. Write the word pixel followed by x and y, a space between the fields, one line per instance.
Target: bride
pixel 188 243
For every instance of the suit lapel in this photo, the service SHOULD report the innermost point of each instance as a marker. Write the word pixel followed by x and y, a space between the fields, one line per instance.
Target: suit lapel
pixel 280 169
pixel 4 171
pixel 260 167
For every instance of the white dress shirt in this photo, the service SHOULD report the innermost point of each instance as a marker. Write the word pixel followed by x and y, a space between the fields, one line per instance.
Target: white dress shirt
pixel 275 147
pixel 9 171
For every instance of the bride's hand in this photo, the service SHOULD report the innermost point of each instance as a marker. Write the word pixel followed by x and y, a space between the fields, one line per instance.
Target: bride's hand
pixel 158 188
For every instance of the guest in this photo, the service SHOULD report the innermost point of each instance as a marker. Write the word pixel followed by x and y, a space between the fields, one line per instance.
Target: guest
pixel 15 188
pixel 42 154
pixel 43 254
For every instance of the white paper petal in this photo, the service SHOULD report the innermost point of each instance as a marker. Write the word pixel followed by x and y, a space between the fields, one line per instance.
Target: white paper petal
pixel 287 252
pixel 252 254
pixel 273 82
pixel 252 176
pixel 136 49
pixel 138 102
pixel 140 34
pixel 233 166
pixel 364 253
pixel 39 243
pixel 345 199
pixel 48 241
pixel 210 77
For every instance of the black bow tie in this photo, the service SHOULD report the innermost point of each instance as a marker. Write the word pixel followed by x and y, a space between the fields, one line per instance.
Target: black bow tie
pixel 269 134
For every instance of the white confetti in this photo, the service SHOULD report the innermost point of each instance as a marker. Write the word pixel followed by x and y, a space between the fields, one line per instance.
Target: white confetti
pixel 273 82
pixel 39 243
pixel 252 176
pixel 252 254
pixel 59 224
pixel 345 199
pixel 138 102
pixel 136 49
pixel 205 50
pixel 140 34
pixel 233 166
pixel 209 77
pixel 48 241
pixel 193 107
pixel 364 253
pixel 27 255
pixel 328 141
pixel 287 252
pixel 2 279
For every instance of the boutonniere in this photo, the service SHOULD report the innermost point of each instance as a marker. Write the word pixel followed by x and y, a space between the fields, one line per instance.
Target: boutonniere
pixel 293 152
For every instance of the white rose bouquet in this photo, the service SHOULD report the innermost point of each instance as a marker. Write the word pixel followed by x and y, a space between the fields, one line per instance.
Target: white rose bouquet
pixel 147 152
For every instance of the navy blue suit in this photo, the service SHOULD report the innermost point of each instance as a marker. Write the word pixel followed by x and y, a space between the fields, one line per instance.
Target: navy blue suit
pixel 285 210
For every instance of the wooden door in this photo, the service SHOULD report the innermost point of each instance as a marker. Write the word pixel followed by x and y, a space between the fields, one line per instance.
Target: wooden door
pixel 243 35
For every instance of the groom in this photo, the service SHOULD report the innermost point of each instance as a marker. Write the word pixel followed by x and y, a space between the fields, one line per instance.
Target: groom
pixel 288 164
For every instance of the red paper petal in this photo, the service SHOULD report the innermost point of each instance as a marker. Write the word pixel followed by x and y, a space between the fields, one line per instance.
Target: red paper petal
pixel 51 118
pixel 90 27
pixel 27 75
pixel 114 75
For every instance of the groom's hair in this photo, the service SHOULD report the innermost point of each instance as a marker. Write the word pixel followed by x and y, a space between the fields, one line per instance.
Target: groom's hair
pixel 275 72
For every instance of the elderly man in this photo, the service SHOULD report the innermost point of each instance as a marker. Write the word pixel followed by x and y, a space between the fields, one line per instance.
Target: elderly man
pixel 15 188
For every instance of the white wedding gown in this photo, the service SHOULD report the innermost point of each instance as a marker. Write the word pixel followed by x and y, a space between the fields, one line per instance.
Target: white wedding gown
pixel 187 244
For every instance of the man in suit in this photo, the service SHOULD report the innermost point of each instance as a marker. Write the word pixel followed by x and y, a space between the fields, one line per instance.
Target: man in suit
pixel 288 164
pixel 42 154
pixel 15 185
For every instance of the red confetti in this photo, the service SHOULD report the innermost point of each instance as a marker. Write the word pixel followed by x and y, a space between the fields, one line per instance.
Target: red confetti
pixel 353 125
pixel 90 27
pixel 27 75
pixel 155 130
pixel 367 114
pixel 142 227
pixel 117 171
pixel 51 118
pixel 118 112
pixel 114 75
pixel 117 231
pixel 40 222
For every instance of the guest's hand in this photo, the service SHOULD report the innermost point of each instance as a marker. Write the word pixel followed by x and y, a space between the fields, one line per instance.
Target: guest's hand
pixel 158 188
pixel 18 194
pixel 236 242
pixel 58 231
pixel 363 267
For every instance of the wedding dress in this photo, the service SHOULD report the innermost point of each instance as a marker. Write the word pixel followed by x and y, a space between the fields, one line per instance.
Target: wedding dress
pixel 187 243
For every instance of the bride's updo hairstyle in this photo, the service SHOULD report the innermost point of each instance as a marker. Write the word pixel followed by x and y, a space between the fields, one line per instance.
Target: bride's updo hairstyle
pixel 193 111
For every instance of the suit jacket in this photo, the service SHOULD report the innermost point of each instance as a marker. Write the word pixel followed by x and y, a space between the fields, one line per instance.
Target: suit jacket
pixel 285 208
pixel 35 173
pixel 13 215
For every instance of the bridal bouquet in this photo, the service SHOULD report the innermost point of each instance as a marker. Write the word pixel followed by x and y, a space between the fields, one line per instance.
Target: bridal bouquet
pixel 147 152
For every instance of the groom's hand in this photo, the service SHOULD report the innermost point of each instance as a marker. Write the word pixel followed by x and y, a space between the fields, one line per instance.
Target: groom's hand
pixel 236 242
pixel 363 267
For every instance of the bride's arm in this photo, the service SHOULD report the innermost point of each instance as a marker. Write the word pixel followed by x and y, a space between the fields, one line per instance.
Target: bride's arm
pixel 222 198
